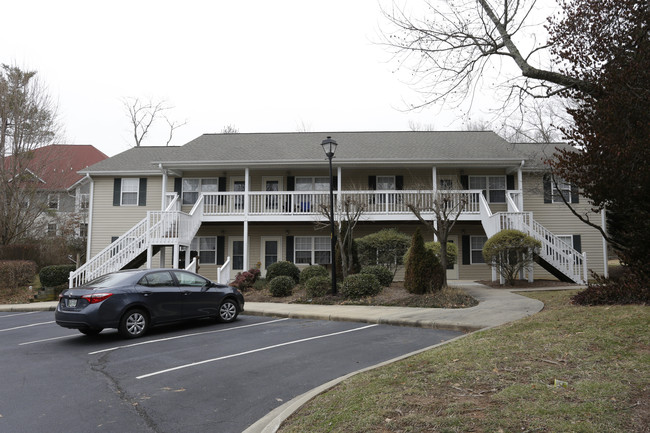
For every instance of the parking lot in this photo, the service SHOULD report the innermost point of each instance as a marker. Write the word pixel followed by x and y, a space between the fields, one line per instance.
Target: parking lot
pixel 194 377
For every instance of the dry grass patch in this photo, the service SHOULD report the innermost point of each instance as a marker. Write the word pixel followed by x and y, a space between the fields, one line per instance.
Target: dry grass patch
pixel 503 379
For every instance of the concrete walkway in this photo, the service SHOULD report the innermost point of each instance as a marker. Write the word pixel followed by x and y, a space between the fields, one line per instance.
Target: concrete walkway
pixel 496 307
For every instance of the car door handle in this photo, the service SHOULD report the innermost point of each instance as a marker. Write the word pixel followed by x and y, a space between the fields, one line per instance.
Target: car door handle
pixel 147 292
pixel 187 292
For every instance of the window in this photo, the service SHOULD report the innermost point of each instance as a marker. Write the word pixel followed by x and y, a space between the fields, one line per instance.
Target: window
pixel 83 230
pixel 84 201
pixel 53 201
pixel 312 183
pixel 493 187
pixel 192 188
pixel 312 250
pixel 446 184
pixel 51 229
pixel 157 279
pixel 386 183
pixel 207 248
pixel 476 248
pixel 238 255
pixel 187 279
pixel 130 189
pixel 562 189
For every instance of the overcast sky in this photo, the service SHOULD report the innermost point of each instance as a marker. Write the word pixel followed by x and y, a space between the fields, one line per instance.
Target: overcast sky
pixel 260 65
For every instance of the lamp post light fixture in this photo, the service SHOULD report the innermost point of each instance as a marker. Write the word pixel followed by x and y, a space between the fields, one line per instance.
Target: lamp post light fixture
pixel 329 147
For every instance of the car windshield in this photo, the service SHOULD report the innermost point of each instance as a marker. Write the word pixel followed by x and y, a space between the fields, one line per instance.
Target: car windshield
pixel 114 279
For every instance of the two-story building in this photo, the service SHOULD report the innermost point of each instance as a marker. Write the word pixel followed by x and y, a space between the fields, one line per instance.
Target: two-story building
pixel 246 200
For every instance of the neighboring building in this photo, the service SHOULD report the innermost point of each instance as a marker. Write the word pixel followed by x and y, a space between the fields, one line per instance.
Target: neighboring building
pixel 246 200
pixel 63 192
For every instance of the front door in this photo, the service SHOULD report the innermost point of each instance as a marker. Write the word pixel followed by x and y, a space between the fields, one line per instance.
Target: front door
pixel 271 186
pixel 270 250
pixel 452 271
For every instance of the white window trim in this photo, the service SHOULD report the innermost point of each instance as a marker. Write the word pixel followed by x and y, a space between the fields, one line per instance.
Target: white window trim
pixel 487 186
pixel 199 190
pixel 51 198
pixel 137 191
pixel 557 192
pixel 394 182
pixel 471 250
pixel 313 183
pixel 312 250
pixel 196 245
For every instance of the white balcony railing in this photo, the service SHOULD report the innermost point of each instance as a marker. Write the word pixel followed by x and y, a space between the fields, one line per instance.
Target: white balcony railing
pixel 313 202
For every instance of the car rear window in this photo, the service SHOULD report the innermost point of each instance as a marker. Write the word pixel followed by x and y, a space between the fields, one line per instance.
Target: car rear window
pixel 107 280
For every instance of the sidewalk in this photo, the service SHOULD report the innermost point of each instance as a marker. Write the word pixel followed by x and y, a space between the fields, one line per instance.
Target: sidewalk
pixel 496 307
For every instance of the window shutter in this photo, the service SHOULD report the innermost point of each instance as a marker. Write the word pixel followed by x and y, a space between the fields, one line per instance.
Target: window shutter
pixel 117 191
pixel 289 252
pixel 548 193
pixel 510 182
pixel 142 196
pixel 575 196
pixel 114 238
pixel 577 243
pixel 291 183
pixel 399 183
pixel 178 186
pixel 464 181
pixel 466 250
pixel 222 184
pixel 335 183
pixel 372 183
pixel 221 250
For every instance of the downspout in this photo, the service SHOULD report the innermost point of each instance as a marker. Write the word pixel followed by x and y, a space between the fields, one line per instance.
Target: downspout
pixel 90 215
pixel 603 223
pixel 163 205
pixel 520 186
pixel 246 205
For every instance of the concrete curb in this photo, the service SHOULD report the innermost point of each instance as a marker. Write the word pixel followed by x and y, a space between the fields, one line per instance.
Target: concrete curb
pixel 272 421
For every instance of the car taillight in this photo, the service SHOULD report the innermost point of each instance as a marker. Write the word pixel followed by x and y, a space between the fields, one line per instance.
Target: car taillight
pixel 96 298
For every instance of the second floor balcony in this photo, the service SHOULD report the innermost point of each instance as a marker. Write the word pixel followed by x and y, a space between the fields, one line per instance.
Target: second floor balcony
pixel 314 205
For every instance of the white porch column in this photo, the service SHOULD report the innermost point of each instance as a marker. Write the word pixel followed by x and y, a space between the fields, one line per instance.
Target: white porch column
pixel 149 255
pixel 162 257
pixel 246 205
pixel 89 235
pixel 176 256
pixel 434 175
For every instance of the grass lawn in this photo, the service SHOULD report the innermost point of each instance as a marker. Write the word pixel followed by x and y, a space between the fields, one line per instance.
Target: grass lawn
pixel 503 379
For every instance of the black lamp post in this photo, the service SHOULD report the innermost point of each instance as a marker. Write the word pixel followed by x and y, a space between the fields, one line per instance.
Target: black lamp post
pixel 329 147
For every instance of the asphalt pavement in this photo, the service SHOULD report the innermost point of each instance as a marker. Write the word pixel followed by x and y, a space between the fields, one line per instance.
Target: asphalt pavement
pixel 496 306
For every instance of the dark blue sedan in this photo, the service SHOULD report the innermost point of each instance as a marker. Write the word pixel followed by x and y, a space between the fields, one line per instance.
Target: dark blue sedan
pixel 135 300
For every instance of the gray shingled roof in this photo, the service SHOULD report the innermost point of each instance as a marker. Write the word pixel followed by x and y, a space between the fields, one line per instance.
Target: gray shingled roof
pixel 355 148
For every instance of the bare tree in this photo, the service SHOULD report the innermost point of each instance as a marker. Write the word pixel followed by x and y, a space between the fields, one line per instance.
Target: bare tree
pixel 142 115
pixel 417 126
pixel 28 120
pixel 536 121
pixel 347 213
pixel 440 213
pixel 477 125
pixel 303 126
pixel 230 129
pixel 451 47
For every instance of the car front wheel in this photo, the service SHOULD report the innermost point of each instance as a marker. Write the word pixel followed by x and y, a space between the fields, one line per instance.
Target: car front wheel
pixel 134 324
pixel 228 311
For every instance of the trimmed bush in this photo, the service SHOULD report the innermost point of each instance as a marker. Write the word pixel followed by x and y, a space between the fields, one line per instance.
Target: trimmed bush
pixel 318 286
pixel 385 247
pixel 261 284
pixel 15 273
pixel 360 285
pixel 55 275
pixel 383 274
pixel 312 271
pixel 246 280
pixel 510 251
pixel 420 267
pixel 283 268
pixel 281 286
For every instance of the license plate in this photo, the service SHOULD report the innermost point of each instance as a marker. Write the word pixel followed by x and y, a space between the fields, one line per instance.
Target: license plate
pixel 72 303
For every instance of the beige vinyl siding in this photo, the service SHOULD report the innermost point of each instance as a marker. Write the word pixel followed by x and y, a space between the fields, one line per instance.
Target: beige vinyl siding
pixel 557 218
pixel 109 220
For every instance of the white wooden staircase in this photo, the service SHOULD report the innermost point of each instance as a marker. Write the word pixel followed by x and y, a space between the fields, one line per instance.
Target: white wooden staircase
pixel 134 248
pixel 556 256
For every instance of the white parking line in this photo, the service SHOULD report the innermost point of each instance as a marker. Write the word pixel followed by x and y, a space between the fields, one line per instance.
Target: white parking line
pixel 26 326
pixel 184 336
pixel 253 351
pixel 48 339
pixel 19 314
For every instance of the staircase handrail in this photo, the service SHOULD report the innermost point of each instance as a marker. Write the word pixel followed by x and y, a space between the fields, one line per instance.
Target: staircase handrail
pixel 223 273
